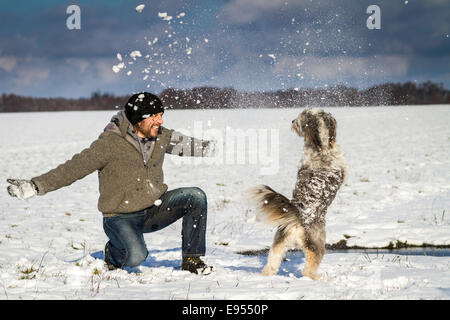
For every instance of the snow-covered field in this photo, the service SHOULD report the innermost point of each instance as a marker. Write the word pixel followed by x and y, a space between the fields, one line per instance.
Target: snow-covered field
pixel 398 189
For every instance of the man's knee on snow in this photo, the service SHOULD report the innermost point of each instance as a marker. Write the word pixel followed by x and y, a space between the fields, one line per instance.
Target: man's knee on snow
pixel 136 257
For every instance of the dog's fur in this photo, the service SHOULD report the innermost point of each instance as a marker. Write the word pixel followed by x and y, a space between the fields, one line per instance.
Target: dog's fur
pixel 301 221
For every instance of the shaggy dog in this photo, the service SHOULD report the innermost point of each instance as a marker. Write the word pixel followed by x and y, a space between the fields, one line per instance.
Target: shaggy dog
pixel 301 221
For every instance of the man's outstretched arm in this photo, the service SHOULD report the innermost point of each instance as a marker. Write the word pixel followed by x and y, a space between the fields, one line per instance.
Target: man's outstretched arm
pixel 81 164
pixel 186 146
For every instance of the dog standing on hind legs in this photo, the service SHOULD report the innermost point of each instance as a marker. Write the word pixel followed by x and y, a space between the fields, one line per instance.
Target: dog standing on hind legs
pixel 301 221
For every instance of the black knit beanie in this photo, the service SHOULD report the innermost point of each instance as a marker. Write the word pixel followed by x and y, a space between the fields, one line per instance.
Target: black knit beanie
pixel 141 106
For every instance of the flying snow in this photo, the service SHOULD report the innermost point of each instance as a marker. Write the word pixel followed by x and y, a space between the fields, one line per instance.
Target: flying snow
pixel 140 7
pixel 164 16
pixel 116 68
pixel 135 54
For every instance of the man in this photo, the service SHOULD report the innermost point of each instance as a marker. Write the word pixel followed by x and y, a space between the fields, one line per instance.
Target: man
pixel 134 200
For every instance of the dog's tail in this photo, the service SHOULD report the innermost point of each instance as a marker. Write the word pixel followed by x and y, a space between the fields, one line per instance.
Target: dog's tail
pixel 276 208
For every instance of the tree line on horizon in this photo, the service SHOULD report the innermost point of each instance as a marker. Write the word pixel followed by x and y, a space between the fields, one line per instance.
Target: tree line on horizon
pixel 388 94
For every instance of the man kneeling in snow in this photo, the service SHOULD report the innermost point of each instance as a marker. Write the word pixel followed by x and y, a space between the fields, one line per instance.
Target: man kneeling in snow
pixel 134 200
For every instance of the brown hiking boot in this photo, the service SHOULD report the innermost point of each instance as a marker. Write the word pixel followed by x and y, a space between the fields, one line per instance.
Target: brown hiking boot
pixel 196 265
pixel 109 265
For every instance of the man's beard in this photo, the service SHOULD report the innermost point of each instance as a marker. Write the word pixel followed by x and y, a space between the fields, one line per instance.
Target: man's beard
pixel 148 131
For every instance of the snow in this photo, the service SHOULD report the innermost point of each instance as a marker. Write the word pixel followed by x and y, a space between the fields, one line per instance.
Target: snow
pixel 118 67
pixel 164 16
pixel 51 247
pixel 135 53
pixel 140 8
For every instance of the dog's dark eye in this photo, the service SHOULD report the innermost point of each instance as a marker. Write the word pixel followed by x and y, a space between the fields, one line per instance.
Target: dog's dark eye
pixel 293 121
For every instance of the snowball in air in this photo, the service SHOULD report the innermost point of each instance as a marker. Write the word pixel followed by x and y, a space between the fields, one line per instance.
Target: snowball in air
pixel 118 67
pixel 140 7
pixel 164 16
pixel 135 54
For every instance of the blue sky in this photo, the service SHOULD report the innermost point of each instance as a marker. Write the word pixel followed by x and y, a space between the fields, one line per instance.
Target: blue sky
pixel 253 45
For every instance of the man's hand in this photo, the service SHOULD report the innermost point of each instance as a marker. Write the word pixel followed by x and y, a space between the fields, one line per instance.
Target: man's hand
pixel 22 189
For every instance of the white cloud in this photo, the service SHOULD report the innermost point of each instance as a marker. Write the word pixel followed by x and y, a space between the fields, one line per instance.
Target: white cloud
pixel 309 71
pixel 8 63
pixel 330 68
pixel 30 74
pixel 245 11
pixel 81 64
pixel 103 68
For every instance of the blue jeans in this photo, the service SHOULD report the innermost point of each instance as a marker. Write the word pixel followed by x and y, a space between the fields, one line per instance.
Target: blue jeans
pixel 125 231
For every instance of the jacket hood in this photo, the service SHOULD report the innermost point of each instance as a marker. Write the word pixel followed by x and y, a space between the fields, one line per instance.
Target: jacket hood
pixel 119 124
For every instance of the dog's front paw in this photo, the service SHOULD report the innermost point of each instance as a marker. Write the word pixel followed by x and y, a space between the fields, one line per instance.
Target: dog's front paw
pixel 268 271
pixel 311 274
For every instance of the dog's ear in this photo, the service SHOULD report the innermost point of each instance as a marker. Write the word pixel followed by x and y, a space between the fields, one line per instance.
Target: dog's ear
pixel 330 123
pixel 310 128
